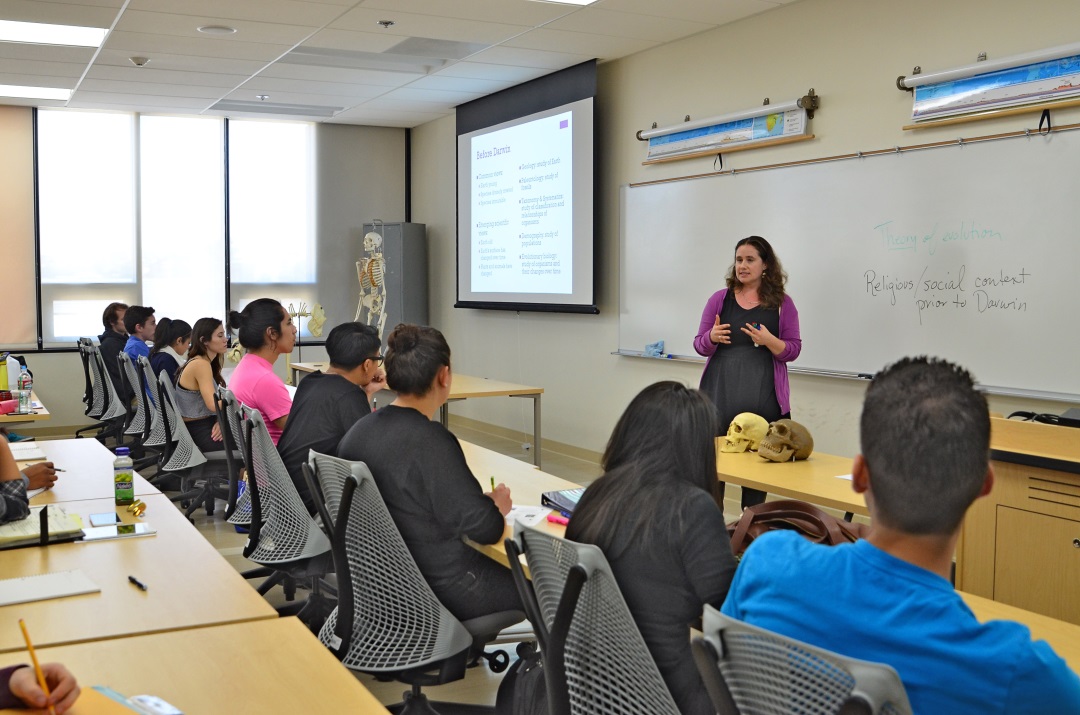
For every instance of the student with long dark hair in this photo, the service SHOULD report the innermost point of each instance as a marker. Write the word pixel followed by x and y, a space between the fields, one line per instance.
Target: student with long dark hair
pixel 172 338
pixel 266 331
pixel 428 488
pixel 198 379
pixel 654 516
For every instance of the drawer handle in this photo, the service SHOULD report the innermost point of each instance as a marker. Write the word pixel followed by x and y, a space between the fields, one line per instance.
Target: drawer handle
pixel 1076 543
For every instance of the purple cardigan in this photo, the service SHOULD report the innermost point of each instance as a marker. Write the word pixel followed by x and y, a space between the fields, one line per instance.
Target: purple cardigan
pixel 7 700
pixel 789 333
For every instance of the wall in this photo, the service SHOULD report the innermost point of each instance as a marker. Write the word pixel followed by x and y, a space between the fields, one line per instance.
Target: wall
pixel 360 174
pixel 850 52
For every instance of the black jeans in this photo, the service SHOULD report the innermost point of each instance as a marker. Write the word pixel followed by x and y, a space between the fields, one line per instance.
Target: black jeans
pixel 485 587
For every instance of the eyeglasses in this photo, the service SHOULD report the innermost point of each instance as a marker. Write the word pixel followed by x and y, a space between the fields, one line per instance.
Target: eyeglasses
pixel 377 359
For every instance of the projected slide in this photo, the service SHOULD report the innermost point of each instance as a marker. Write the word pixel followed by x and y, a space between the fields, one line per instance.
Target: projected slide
pixel 522 209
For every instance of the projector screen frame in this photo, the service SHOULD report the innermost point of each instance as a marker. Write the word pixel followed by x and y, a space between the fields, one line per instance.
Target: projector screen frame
pixel 545 93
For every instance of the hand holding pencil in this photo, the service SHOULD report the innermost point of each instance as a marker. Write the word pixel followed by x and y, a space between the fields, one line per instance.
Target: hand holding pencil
pixel 49 686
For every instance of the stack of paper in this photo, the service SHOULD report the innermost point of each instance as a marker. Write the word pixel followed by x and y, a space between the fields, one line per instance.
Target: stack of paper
pixel 28 530
pixel 43 587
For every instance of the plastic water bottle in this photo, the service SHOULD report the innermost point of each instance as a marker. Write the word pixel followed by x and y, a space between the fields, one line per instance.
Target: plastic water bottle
pixel 124 477
pixel 26 380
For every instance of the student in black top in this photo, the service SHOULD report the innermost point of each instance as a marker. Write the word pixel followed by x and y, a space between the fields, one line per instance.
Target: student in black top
pixel 428 488
pixel 654 516
pixel 327 404
pixel 112 341
pixel 172 340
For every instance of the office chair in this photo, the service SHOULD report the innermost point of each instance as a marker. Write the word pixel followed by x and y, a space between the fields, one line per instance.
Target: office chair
pixel 283 537
pixel 140 415
pixel 183 458
pixel 747 670
pixel 325 476
pixel 148 383
pixel 388 621
pixel 93 403
pixel 229 423
pixel 104 404
pixel 595 660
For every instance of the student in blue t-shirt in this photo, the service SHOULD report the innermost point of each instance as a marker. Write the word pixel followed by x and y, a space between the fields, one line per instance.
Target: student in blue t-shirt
pixel 925 435
pixel 141 326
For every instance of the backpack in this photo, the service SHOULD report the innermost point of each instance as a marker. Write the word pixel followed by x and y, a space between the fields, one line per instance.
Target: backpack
pixel 523 690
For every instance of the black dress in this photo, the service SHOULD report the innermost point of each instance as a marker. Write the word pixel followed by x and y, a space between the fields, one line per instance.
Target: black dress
pixel 739 378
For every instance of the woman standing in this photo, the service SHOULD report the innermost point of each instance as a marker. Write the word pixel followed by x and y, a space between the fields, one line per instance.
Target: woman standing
pixel 198 379
pixel 266 330
pixel 752 313
pixel 654 517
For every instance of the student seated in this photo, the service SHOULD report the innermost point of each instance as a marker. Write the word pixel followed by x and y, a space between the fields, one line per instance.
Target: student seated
pixel 421 472
pixel 266 330
pixel 197 381
pixel 327 404
pixel 925 439
pixel 654 516
pixel 172 338
pixel 112 341
pixel 141 327
pixel 19 688
pixel 14 484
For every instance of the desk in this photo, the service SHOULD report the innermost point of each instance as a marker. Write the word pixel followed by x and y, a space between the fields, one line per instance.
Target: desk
pixel 36 416
pixel 812 480
pixel 526 484
pixel 88 472
pixel 274 666
pixel 462 388
pixel 189 583
pixel 1019 543
pixel 1063 637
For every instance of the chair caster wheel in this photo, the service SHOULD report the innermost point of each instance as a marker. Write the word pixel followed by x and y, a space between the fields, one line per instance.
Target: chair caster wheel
pixel 499 661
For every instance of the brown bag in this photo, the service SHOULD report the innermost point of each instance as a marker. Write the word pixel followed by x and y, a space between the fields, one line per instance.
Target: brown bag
pixel 809 521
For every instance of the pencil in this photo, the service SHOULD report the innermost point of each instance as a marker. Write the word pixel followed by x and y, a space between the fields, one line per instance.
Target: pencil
pixel 492 482
pixel 37 665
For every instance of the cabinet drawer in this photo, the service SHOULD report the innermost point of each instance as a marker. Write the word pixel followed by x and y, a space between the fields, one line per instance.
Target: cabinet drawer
pixel 1037 563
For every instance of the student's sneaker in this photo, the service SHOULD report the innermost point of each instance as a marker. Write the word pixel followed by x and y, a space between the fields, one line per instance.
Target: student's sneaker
pixel 14 437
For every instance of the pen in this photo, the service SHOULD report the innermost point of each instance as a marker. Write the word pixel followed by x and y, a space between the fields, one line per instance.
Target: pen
pixel 142 586
pixel 493 482
pixel 58 469
pixel 37 665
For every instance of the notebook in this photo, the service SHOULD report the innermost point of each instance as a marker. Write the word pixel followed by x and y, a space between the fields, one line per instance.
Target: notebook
pixel 565 500
pixel 27 531
pixel 23 451
pixel 46 586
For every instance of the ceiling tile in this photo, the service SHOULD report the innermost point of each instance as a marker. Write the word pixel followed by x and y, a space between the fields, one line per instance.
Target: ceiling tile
pixel 480 70
pixel 156 76
pixel 582 43
pixel 334 74
pixel 461 84
pixel 108 86
pixel 272 85
pixel 289 12
pixel 46 69
pixel 521 57
pixel 210 48
pixel 161 23
pixel 511 12
pixel 56 13
pixel 46 53
pixel 434 95
pixel 38 80
pixel 187 104
pixel 437 27
pixel 183 63
pixel 629 24
pixel 712 12
pixel 352 40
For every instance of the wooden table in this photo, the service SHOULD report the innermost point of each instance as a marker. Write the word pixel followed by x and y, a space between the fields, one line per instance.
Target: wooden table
pixel 813 480
pixel 274 666
pixel 190 584
pixel 526 484
pixel 88 471
pixel 35 416
pixel 462 387
pixel 1063 637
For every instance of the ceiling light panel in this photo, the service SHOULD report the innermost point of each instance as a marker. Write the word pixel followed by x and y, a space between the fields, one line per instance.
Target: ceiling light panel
pixel 27 92
pixel 37 33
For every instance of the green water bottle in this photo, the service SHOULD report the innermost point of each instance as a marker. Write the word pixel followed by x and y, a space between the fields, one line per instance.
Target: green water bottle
pixel 124 477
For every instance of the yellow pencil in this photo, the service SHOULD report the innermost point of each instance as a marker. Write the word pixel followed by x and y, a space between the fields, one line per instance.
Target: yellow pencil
pixel 37 665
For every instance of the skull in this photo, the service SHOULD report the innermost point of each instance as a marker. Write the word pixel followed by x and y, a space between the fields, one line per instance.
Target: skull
pixel 786 441
pixel 744 433
pixel 372 241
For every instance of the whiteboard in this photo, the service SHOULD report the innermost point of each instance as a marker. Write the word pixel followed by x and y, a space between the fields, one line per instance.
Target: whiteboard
pixel 969 252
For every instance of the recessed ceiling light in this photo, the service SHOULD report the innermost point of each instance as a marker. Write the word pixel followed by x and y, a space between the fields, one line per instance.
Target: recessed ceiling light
pixel 40 33
pixel 219 30
pixel 11 90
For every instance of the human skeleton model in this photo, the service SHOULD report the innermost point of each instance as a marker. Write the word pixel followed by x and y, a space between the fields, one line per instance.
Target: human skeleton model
pixel 369 270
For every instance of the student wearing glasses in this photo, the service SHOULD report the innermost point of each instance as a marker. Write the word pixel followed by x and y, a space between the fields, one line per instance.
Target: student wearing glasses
pixel 328 404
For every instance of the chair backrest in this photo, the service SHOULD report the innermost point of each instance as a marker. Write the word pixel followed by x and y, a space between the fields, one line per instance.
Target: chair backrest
pixel 326 475
pixel 140 420
pixel 282 530
pixel 111 405
pixel 236 415
pixel 388 619
pixel 148 384
pixel 182 452
pixel 596 656
pixel 228 420
pixel 84 345
pixel 751 670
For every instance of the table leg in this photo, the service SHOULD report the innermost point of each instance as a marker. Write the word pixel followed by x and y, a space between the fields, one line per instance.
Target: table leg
pixel 444 413
pixel 536 431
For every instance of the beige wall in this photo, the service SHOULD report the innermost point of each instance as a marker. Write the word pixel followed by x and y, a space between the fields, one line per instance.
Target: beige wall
pixel 850 52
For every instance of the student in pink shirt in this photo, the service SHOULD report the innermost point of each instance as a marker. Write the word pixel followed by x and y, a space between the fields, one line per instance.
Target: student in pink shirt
pixel 266 331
